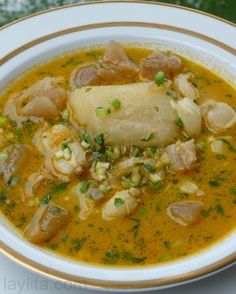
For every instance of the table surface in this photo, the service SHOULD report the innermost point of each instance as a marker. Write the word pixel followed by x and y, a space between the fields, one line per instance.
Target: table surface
pixel 18 280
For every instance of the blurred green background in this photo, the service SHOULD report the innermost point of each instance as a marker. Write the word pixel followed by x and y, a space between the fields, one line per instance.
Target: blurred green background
pixel 14 9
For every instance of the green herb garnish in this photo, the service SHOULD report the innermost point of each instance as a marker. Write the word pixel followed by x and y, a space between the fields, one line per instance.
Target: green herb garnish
pixel 99 139
pixel 84 187
pixel 219 209
pixel 46 199
pixel 201 145
pixel 150 167
pixel 118 202
pixel 232 191
pixel 102 112
pixel 206 213
pixel 149 137
pixel 116 104
pixel 179 123
pixel 160 78
pixel 167 245
pixel 214 183
pixel 77 244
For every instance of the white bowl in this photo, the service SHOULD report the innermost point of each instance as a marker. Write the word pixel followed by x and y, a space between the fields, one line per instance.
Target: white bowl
pixel 206 39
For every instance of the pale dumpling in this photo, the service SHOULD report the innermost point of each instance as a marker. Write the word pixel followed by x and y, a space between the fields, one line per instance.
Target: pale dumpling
pixel 145 117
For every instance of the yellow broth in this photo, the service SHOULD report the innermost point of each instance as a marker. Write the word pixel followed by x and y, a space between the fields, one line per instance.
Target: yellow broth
pixel 148 236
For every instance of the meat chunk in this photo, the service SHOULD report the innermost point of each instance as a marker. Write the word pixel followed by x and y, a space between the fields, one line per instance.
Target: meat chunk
pixel 189 187
pixel 44 99
pixel 183 84
pixel 171 65
pixel 190 114
pixel 185 213
pixel 84 75
pixel 34 181
pixel 121 204
pixel 182 155
pixel 218 116
pixel 86 203
pixel 13 160
pixel 64 156
pixel 115 64
pixel 46 223
pixel 40 107
pixel 47 87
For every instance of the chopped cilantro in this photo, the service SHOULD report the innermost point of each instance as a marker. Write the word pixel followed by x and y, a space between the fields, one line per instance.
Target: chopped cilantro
pixel 219 209
pixel 179 123
pixel 149 137
pixel 54 190
pixel 130 258
pixel 167 245
pixel 157 186
pixel 221 157
pixel 2 197
pixel 232 191
pixel 142 211
pixel 59 187
pixel 118 202
pixel 214 183
pixel 46 199
pixel 206 213
pixel 84 187
pixel 99 139
pixel 77 244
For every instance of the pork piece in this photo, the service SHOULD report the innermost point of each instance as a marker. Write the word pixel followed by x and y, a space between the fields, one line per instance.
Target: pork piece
pixel 121 204
pixel 84 75
pixel 190 114
pixel 189 187
pixel 64 156
pixel 218 116
pixel 171 65
pixel 115 65
pixel 85 202
pixel 185 213
pixel 144 108
pixel 46 223
pixel 13 160
pixel 184 86
pixel 44 100
pixel 40 107
pixel 34 181
pixel 182 155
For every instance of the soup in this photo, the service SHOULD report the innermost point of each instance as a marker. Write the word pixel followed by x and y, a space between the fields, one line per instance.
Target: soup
pixel 119 156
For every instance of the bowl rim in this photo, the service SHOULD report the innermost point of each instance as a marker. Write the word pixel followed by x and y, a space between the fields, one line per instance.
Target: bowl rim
pixel 89 2
pixel 100 284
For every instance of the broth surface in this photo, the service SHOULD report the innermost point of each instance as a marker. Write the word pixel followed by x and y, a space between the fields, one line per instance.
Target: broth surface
pixel 147 235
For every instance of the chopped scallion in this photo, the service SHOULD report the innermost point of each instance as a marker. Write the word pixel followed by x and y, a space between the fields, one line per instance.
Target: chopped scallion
pixel 116 103
pixel 149 137
pixel 118 202
pixel 179 123
pixel 102 112
pixel 160 78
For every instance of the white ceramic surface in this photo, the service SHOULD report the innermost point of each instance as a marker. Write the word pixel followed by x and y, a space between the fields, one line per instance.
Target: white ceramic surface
pixel 205 39
pixel 17 280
